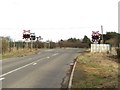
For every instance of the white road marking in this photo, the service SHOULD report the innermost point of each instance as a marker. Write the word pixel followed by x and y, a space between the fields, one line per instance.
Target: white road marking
pixel 49 50
pixel 1 79
pixel 55 54
pixel 15 69
pixel 34 63
pixel 48 57
pixel 20 67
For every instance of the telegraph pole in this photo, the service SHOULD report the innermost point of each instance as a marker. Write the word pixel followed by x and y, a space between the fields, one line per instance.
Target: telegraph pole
pixel 102 34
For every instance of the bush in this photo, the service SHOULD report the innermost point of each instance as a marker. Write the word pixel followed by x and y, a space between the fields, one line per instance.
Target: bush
pixel 118 52
pixel 5 45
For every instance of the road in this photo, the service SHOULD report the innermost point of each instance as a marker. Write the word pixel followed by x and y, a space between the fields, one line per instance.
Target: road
pixel 43 70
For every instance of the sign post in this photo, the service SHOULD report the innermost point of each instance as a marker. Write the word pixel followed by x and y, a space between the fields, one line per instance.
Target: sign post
pixel 96 37
pixel 32 38
pixel 102 34
pixel 38 39
pixel 26 36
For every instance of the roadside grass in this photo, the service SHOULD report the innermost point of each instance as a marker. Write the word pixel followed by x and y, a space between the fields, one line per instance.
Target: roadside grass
pixel 19 53
pixel 0 56
pixel 95 70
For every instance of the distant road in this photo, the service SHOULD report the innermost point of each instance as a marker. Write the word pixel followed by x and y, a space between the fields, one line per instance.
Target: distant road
pixel 43 70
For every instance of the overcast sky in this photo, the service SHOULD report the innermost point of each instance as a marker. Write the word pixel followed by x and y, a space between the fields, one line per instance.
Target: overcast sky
pixel 57 19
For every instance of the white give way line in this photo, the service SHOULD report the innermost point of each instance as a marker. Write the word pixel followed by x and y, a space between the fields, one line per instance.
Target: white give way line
pixel 32 63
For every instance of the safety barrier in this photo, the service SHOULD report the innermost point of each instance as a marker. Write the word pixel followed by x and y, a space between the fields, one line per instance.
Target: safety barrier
pixel 100 48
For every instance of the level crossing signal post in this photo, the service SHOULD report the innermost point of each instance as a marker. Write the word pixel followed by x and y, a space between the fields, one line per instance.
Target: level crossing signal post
pixel 97 45
pixel 96 37
pixel 27 35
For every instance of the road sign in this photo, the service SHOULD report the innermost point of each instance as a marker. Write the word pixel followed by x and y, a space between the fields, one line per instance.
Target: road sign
pixel 32 36
pixel 96 36
pixel 26 34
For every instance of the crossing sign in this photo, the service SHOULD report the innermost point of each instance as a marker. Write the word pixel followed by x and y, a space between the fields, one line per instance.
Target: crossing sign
pixel 96 36
pixel 26 34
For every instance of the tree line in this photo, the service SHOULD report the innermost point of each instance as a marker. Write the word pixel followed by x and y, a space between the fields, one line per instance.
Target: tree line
pixel 112 38
pixel 7 44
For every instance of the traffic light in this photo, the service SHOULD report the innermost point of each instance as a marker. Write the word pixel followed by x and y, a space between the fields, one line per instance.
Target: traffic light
pixel 32 38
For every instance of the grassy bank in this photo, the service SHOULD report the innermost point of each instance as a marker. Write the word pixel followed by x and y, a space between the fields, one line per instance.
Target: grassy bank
pixel 19 53
pixel 96 70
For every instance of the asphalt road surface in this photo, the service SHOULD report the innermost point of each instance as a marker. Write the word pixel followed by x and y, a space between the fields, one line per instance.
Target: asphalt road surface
pixel 43 70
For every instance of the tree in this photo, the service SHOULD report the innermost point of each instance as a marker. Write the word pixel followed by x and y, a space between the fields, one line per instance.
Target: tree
pixel 112 38
pixel 86 40
pixel 73 43
pixel 5 44
pixel 60 43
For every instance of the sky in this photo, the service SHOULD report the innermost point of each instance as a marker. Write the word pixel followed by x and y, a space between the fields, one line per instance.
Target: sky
pixel 57 19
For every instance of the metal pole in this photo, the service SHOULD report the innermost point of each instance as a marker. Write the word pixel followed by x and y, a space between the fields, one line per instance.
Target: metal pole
pixel 49 45
pixel 14 44
pixel 31 44
pixel 37 43
pixel 102 34
pixel 26 44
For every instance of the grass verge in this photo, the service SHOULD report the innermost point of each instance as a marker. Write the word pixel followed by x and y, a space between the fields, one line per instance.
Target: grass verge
pixel 96 70
pixel 19 53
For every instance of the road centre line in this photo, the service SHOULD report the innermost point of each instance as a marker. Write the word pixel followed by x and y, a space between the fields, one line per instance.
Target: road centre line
pixel 48 50
pixel 55 54
pixel 48 57
pixel 15 69
pixel 21 67
pixel 32 63
pixel 1 79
